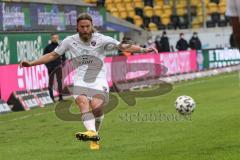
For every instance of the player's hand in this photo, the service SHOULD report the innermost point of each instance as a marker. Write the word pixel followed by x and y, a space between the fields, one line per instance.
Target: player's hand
pixel 24 63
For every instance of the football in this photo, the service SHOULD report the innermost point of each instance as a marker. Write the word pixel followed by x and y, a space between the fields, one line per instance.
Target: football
pixel 185 105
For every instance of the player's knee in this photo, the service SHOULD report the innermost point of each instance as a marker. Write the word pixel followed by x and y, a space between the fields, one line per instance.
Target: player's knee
pixel 82 100
pixel 97 108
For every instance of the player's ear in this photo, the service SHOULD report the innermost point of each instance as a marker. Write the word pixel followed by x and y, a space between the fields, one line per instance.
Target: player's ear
pixel 77 29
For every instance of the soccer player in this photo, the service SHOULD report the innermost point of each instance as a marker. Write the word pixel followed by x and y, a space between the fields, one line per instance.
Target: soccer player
pixel 88 42
pixel 233 11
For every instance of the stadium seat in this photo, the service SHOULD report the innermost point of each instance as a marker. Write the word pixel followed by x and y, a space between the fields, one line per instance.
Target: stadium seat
pixel 152 26
pixel 165 19
pixel 138 3
pixel 114 12
pixel 122 13
pixel 196 23
pixel 181 9
pixel 182 2
pixel 159 3
pixel 148 11
pixel 128 4
pixel 167 10
pixel 222 7
pixel 109 4
pixel 131 12
pixel 195 2
pixel 158 11
pixel 212 8
pixel 119 4
pixel 138 21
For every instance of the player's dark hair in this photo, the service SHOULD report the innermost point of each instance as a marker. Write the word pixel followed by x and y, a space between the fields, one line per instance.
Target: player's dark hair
pixel 84 16
pixel 52 34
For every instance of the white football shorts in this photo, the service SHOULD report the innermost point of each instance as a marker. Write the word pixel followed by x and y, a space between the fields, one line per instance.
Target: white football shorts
pixel 100 86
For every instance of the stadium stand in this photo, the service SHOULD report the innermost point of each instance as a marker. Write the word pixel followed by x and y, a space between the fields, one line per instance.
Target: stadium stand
pixel 168 14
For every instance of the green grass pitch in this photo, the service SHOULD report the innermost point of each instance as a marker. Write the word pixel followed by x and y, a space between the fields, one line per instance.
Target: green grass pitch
pixel 212 132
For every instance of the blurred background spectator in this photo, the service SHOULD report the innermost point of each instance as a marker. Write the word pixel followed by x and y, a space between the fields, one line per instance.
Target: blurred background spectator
pixel 182 44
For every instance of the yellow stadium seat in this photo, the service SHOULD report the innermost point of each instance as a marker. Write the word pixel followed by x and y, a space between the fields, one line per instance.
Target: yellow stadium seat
pixel 212 7
pixel 222 8
pixel 148 11
pixel 199 10
pixel 129 4
pixel 181 11
pixel 200 18
pixel 119 5
pixel 138 3
pixel 158 10
pixel 165 19
pixel 122 13
pixel 159 3
pixel 131 12
pixel 152 27
pixel 138 20
pixel 109 6
pixel 182 2
pixel 195 2
pixel 167 10
pixel 197 22
pixel 180 6
pixel 114 12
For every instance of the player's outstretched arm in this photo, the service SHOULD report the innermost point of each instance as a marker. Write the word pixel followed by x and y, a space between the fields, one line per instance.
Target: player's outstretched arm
pixel 136 48
pixel 42 60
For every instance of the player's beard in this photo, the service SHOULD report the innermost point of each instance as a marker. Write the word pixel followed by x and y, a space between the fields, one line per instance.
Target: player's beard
pixel 85 36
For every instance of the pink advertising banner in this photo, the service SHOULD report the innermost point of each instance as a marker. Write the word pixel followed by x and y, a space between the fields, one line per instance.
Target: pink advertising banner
pixel 179 62
pixel 119 68
pixel 14 78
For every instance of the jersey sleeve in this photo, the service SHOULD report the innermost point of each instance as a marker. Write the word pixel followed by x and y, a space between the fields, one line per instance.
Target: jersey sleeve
pixel 108 39
pixel 233 8
pixel 62 47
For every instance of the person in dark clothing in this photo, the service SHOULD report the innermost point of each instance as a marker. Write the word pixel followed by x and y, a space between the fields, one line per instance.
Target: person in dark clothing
pixel 158 43
pixel 195 42
pixel 232 41
pixel 165 42
pixel 182 44
pixel 54 67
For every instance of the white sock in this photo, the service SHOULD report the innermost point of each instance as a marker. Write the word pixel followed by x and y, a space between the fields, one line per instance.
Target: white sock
pixel 98 122
pixel 89 121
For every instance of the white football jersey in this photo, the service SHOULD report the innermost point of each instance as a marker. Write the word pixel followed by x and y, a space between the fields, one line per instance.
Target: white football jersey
pixel 90 55
pixel 233 8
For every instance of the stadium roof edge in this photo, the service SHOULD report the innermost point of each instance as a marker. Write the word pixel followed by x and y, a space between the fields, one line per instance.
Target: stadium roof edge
pixel 68 2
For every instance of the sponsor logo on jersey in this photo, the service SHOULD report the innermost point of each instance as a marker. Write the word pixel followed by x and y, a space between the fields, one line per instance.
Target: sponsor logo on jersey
pixel 93 43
